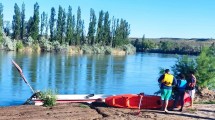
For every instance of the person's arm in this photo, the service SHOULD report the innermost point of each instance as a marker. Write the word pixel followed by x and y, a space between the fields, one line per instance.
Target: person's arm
pixel 174 83
pixel 160 78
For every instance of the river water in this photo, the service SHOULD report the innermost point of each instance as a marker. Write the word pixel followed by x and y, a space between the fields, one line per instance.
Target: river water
pixel 79 74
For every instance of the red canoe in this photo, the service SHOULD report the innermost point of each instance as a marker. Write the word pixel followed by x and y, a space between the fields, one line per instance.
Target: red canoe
pixel 133 100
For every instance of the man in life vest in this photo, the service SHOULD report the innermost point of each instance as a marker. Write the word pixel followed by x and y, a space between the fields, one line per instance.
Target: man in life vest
pixel 167 81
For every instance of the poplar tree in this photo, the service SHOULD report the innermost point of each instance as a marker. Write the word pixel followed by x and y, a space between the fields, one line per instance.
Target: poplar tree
pixel 78 26
pixel 73 30
pixel 29 26
pixel 59 24
pixel 100 28
pixel 46 26
pixel 69 27
pixel 42 23
pixel 113 31
pixel 52 23
pixel 36 20
pixel 23 26
pixel 63 27
pixel 92 27
pixel 83 40
pixel 106 33
pixel 1 22
pixel 16 22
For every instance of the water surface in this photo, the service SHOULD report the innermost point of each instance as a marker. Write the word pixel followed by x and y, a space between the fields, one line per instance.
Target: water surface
pixel 80 74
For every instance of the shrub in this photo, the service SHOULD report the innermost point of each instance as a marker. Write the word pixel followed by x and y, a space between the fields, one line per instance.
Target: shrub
pixel 19 45
pixel 204 65
pixel 49 98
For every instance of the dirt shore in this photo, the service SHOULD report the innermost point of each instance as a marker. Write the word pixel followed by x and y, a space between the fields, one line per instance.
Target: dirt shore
pixel 77 111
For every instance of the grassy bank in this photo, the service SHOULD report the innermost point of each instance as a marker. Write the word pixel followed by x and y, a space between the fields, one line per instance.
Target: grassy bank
pixel 44 45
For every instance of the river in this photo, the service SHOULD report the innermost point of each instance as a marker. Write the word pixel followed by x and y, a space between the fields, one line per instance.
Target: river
pixel 79 74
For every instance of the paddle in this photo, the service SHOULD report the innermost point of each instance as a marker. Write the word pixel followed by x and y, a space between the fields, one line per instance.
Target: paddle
pixel 140 103
pixel 90 95
pixel 21 73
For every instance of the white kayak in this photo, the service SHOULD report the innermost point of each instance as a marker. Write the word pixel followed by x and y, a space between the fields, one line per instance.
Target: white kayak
pixel 75 98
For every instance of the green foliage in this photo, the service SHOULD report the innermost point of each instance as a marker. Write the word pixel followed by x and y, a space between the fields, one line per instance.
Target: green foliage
pixel 61 22
pixel 1 17
pixel 19 45
pixel 83 106
pixel 42 23
pixel 45 44
pixel 100 27
pixel 204 65
pixel 167 46
pixel 78 27
pixel 23 26
pixel 49 98
pixel 36 19
pixel 148 45
pixel 106 33
pixel 205 102
pixel 184 65
pixel 92 27
pixel 69 27
pixel 206 68
pixel 16 22
pixel 52 24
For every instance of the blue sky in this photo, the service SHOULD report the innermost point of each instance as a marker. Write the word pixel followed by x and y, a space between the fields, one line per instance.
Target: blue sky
pixel 154 18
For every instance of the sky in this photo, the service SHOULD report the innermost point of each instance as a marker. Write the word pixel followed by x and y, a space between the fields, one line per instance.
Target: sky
pixel 152 18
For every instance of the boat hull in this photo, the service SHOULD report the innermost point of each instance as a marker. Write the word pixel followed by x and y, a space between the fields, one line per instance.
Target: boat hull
pixel 133 101
pixel 85 98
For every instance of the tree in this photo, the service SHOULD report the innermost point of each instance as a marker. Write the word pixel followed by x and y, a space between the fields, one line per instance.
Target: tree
pixel 69 27
pixel 100 27
pixel 16 22
pixel 106 33
pixel 36 19
pixel 204 65
pixel 23 26
pixel 78 26
pixel 61 22
pixel 113 31
pixel 92 27
pixel 7 28
pixel 52 23
pixel 83 40
pixel 46 26
pixel 29 26
pixel 205 70
pixel 42 23
pixel 1 22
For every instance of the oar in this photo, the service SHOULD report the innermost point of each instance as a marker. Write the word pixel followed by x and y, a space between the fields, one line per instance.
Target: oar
pixel 21 73
pixel 140 103
pixel 90 95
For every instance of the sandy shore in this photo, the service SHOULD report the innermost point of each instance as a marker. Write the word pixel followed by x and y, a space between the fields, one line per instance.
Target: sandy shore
pixel 76 111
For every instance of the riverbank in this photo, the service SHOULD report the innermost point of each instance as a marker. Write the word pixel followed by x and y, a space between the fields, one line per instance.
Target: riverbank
pixel 101 112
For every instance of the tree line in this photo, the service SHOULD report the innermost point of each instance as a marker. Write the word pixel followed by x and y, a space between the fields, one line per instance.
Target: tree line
pixel 66 28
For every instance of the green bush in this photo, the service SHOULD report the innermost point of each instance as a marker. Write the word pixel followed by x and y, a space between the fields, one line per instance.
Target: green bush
pixel 19 45
pixel 204 65
pixel 48 97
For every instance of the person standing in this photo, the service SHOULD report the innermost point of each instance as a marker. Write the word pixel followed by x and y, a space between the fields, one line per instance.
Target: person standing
pixel 191 87
pixel 167 81
pixel 180 91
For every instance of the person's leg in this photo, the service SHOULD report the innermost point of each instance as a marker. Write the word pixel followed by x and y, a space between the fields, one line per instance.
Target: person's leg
pixel 167 97
pixel 176 100
pixel 162 99
pixel 166 105
pixel 192 97
pixel 182 100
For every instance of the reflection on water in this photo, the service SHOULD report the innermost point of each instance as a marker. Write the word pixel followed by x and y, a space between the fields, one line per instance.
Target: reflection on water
pixel 79 74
